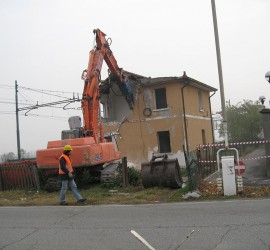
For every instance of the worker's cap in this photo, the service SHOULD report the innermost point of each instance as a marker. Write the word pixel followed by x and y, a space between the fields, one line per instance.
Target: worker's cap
pixel 67 148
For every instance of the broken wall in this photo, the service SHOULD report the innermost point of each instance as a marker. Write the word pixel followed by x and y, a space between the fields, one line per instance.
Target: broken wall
pixel 137 130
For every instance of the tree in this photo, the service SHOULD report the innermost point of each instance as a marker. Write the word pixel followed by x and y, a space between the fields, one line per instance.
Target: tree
pixel 8 157
pixel 12 157
pixel 244 121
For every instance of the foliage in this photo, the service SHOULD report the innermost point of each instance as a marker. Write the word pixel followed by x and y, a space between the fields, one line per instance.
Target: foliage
pixel 42 178
pixel 84 178
pixel 27 155
pixel 134 176
pixel 10 156
pixel 244 121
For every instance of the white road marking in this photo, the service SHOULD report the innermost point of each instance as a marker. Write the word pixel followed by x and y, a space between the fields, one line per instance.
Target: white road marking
pixel 139 237
pixel 185 239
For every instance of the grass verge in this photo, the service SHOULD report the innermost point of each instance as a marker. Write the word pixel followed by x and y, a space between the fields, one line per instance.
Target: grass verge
pixel 96 195
pixel 101 195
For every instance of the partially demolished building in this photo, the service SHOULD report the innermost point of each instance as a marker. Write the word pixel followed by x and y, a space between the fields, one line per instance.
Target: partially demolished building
pixel 170 115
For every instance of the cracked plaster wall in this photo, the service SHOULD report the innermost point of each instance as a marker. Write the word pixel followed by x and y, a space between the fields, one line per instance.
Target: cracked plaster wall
pixel 137 138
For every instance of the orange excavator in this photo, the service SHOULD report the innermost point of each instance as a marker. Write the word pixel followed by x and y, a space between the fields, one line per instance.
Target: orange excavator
pixel 90 150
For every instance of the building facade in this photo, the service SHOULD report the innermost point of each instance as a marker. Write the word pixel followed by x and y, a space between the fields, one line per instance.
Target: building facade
pixel 170 115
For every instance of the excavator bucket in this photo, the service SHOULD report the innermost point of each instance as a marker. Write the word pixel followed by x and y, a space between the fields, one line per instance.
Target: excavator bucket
pixel 163 172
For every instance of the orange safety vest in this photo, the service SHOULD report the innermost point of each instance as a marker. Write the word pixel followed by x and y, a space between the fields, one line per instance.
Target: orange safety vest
pixel 68 164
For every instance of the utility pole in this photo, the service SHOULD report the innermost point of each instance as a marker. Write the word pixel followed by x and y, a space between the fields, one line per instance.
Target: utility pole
pixel 224 115
pixel 17 122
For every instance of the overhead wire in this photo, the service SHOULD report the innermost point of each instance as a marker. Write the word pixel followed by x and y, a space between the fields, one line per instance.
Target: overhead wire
pixel 7 112
pixel 27 104
pixel 25 97
pixel 27 100
pixel 57 91
pixel 48 116
pixel 49 92
pixel 3 86
pixel 6 102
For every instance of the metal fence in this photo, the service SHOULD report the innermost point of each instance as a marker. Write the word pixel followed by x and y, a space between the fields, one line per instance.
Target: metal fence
pixel 207 155
pixel 19 175
pixel 193 170
pixel 202 162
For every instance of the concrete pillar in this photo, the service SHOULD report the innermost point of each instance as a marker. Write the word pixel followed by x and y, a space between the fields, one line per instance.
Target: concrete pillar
pixel 266 130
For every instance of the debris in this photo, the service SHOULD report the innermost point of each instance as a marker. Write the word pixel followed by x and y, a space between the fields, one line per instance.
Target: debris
pixel 191 195
pixel 208 189
pixel 113 191
pixel 123 194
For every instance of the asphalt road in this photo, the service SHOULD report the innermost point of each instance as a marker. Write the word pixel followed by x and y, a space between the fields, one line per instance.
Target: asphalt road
pixel 226 225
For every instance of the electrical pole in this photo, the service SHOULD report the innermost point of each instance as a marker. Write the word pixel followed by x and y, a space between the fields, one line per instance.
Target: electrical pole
pixel 17 122
pixel 224 115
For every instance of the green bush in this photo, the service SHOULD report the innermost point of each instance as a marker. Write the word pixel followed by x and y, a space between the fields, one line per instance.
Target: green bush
pixel 134 176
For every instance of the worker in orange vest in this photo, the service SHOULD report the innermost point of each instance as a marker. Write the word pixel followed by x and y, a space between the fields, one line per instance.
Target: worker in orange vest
pixel 67 177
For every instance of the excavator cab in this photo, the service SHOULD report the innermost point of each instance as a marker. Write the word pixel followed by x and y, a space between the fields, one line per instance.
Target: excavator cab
pixel 75 129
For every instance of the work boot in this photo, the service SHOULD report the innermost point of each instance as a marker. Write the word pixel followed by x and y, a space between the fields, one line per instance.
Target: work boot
pixel 81 200
pixel 63 203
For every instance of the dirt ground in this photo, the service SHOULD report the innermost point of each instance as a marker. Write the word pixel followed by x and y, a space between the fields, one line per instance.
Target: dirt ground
pixel 209 189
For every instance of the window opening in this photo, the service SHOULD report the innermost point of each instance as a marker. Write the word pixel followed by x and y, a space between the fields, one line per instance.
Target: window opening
pixel 161 99
pixel 164 141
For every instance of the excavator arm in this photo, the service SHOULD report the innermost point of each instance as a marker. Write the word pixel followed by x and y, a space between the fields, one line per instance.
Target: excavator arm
pixel 91 77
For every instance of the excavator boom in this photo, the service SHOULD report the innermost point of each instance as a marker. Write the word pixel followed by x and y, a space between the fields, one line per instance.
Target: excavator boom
pixel 91 77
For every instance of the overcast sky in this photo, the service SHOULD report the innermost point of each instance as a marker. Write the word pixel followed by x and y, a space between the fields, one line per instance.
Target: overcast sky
pixel 45 44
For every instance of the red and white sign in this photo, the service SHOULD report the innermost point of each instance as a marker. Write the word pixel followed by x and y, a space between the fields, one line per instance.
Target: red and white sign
pixel 241 168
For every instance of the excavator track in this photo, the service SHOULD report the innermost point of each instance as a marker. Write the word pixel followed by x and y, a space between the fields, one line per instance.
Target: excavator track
pixel 109 173
pixel 53 184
